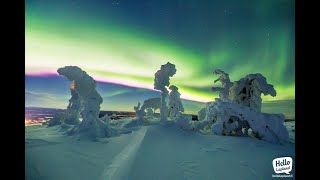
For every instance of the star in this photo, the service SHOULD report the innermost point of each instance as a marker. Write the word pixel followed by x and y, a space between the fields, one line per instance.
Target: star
pixel 116 2
pixel 227 11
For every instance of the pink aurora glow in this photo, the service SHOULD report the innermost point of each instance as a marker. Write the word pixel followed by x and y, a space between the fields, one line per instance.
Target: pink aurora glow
pixel 128 83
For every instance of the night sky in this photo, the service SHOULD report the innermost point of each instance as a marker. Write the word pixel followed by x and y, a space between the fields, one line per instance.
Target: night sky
pixel 122 43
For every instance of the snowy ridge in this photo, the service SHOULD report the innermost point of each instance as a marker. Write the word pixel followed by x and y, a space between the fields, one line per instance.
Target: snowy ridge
pixel 120 165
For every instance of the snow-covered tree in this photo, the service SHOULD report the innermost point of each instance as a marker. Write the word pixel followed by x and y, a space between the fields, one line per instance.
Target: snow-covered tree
pixel 85 86
pixel 233 117
pixel 153 103
pixel 247 91
pixel 225 82
pixel 175 104
pixel 140 113
pixel 240 110
pixel 161 81
pixel 74 108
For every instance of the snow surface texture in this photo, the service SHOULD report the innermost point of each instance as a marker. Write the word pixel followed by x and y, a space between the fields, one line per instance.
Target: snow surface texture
pixel 239 109
pixel 121 164
pixel 149 153
pixel 85 86
pixel 161 81
pixel 185 122
pixel 175 105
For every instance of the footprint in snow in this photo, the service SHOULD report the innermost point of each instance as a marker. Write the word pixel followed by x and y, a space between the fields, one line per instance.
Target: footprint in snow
pixel 188 169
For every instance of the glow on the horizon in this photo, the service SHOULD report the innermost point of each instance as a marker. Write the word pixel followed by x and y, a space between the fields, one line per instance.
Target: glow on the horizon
pixel 30 122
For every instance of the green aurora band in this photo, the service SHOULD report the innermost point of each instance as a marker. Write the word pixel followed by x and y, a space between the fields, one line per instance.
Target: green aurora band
pixel 130 56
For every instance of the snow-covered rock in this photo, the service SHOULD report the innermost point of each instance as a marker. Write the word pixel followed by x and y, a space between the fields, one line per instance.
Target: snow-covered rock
pixel 184 121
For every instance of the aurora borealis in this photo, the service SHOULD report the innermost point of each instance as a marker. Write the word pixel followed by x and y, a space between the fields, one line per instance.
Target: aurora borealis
pixel 123 43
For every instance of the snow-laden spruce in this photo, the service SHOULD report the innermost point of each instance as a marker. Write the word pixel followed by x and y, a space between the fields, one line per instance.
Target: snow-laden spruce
pixel 225 83
pixel 175 104
pixel 161 81
pixel 85 86
pixel 247 91
pixel 238 109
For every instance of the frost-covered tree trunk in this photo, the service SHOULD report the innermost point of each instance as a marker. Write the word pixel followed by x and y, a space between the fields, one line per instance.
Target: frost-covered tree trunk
pixel 74 108
pixel 163 108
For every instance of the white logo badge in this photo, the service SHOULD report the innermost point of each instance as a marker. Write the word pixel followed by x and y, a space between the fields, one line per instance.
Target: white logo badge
pixel 282 165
